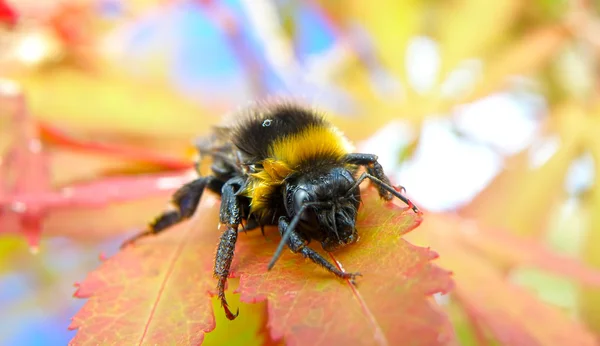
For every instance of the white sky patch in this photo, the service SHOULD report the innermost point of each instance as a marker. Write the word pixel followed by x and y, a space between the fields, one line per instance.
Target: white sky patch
pixel 422 63
pixel 502 120
pixel 461 80
pixel 446 171
pixel 387 143
pixel 542 150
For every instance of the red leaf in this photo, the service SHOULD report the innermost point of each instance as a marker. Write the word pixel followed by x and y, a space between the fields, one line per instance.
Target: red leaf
pixel 72 23
pixel 8 15
pixel 29 203
pixel 158 291
pixel 24 169
pixel 512 315
pixel 515 250
pixel 129 153
pixel 155 292
pixel 92 210
pixel 388 306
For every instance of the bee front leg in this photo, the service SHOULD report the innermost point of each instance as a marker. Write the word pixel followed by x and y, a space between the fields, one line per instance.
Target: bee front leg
pixel 231 216
pixel 298 245
pixel 374 168
pixel 377 176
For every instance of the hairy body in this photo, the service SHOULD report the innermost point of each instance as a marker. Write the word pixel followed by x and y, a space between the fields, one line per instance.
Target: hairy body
pixel 283 165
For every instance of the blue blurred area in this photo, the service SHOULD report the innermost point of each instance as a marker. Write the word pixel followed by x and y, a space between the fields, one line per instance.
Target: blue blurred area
pixel 313 36
pixel 36 300
pixel 204 62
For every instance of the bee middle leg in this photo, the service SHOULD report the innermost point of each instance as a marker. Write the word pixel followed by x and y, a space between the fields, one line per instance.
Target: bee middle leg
pixel 185 200
pixel 231 216
pixel 298 245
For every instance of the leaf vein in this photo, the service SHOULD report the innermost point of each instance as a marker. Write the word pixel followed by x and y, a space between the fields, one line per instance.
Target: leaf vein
pixel 168 274
pixel 379 335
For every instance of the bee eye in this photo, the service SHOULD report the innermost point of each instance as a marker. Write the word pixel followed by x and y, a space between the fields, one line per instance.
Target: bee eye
pixel 308 217
pixel 300 197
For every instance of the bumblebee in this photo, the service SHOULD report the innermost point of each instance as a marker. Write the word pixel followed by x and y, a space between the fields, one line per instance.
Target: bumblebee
pixel 284 165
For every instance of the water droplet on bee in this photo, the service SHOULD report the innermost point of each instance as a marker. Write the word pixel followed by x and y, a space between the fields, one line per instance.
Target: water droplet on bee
pixel 267 122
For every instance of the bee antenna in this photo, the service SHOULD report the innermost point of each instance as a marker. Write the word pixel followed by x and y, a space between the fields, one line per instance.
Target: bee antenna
pixel 350 192
pixel 290 228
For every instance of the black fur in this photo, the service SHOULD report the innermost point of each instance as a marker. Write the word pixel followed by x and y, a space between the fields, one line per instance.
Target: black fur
pixel 256 132
pixel 333 226
pixel 318 201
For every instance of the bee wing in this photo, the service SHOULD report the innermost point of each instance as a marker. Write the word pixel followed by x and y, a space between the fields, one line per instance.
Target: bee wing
pixel 218 141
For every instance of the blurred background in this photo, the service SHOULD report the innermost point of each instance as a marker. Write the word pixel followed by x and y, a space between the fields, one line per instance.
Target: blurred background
pixel 487 110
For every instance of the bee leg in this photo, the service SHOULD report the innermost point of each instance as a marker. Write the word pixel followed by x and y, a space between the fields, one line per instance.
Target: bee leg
pixel 298 245
pixel 185 200
pixel 389 189
pixel 374 168
pixel 231 216
pixel 378 177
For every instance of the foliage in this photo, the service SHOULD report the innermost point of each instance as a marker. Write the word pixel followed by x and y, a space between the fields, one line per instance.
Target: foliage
pixel 56 181
pixel 33 203
pixel 479 258
pixel 144 294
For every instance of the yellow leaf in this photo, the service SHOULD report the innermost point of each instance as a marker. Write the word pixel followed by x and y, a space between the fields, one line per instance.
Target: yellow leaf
pixel 110 102
pixel 468 27
pixel 247 329
pixel 524 57
pixel 590 297
pixel 391 25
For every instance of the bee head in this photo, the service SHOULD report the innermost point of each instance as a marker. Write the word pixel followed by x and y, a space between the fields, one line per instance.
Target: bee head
pixel 332 198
